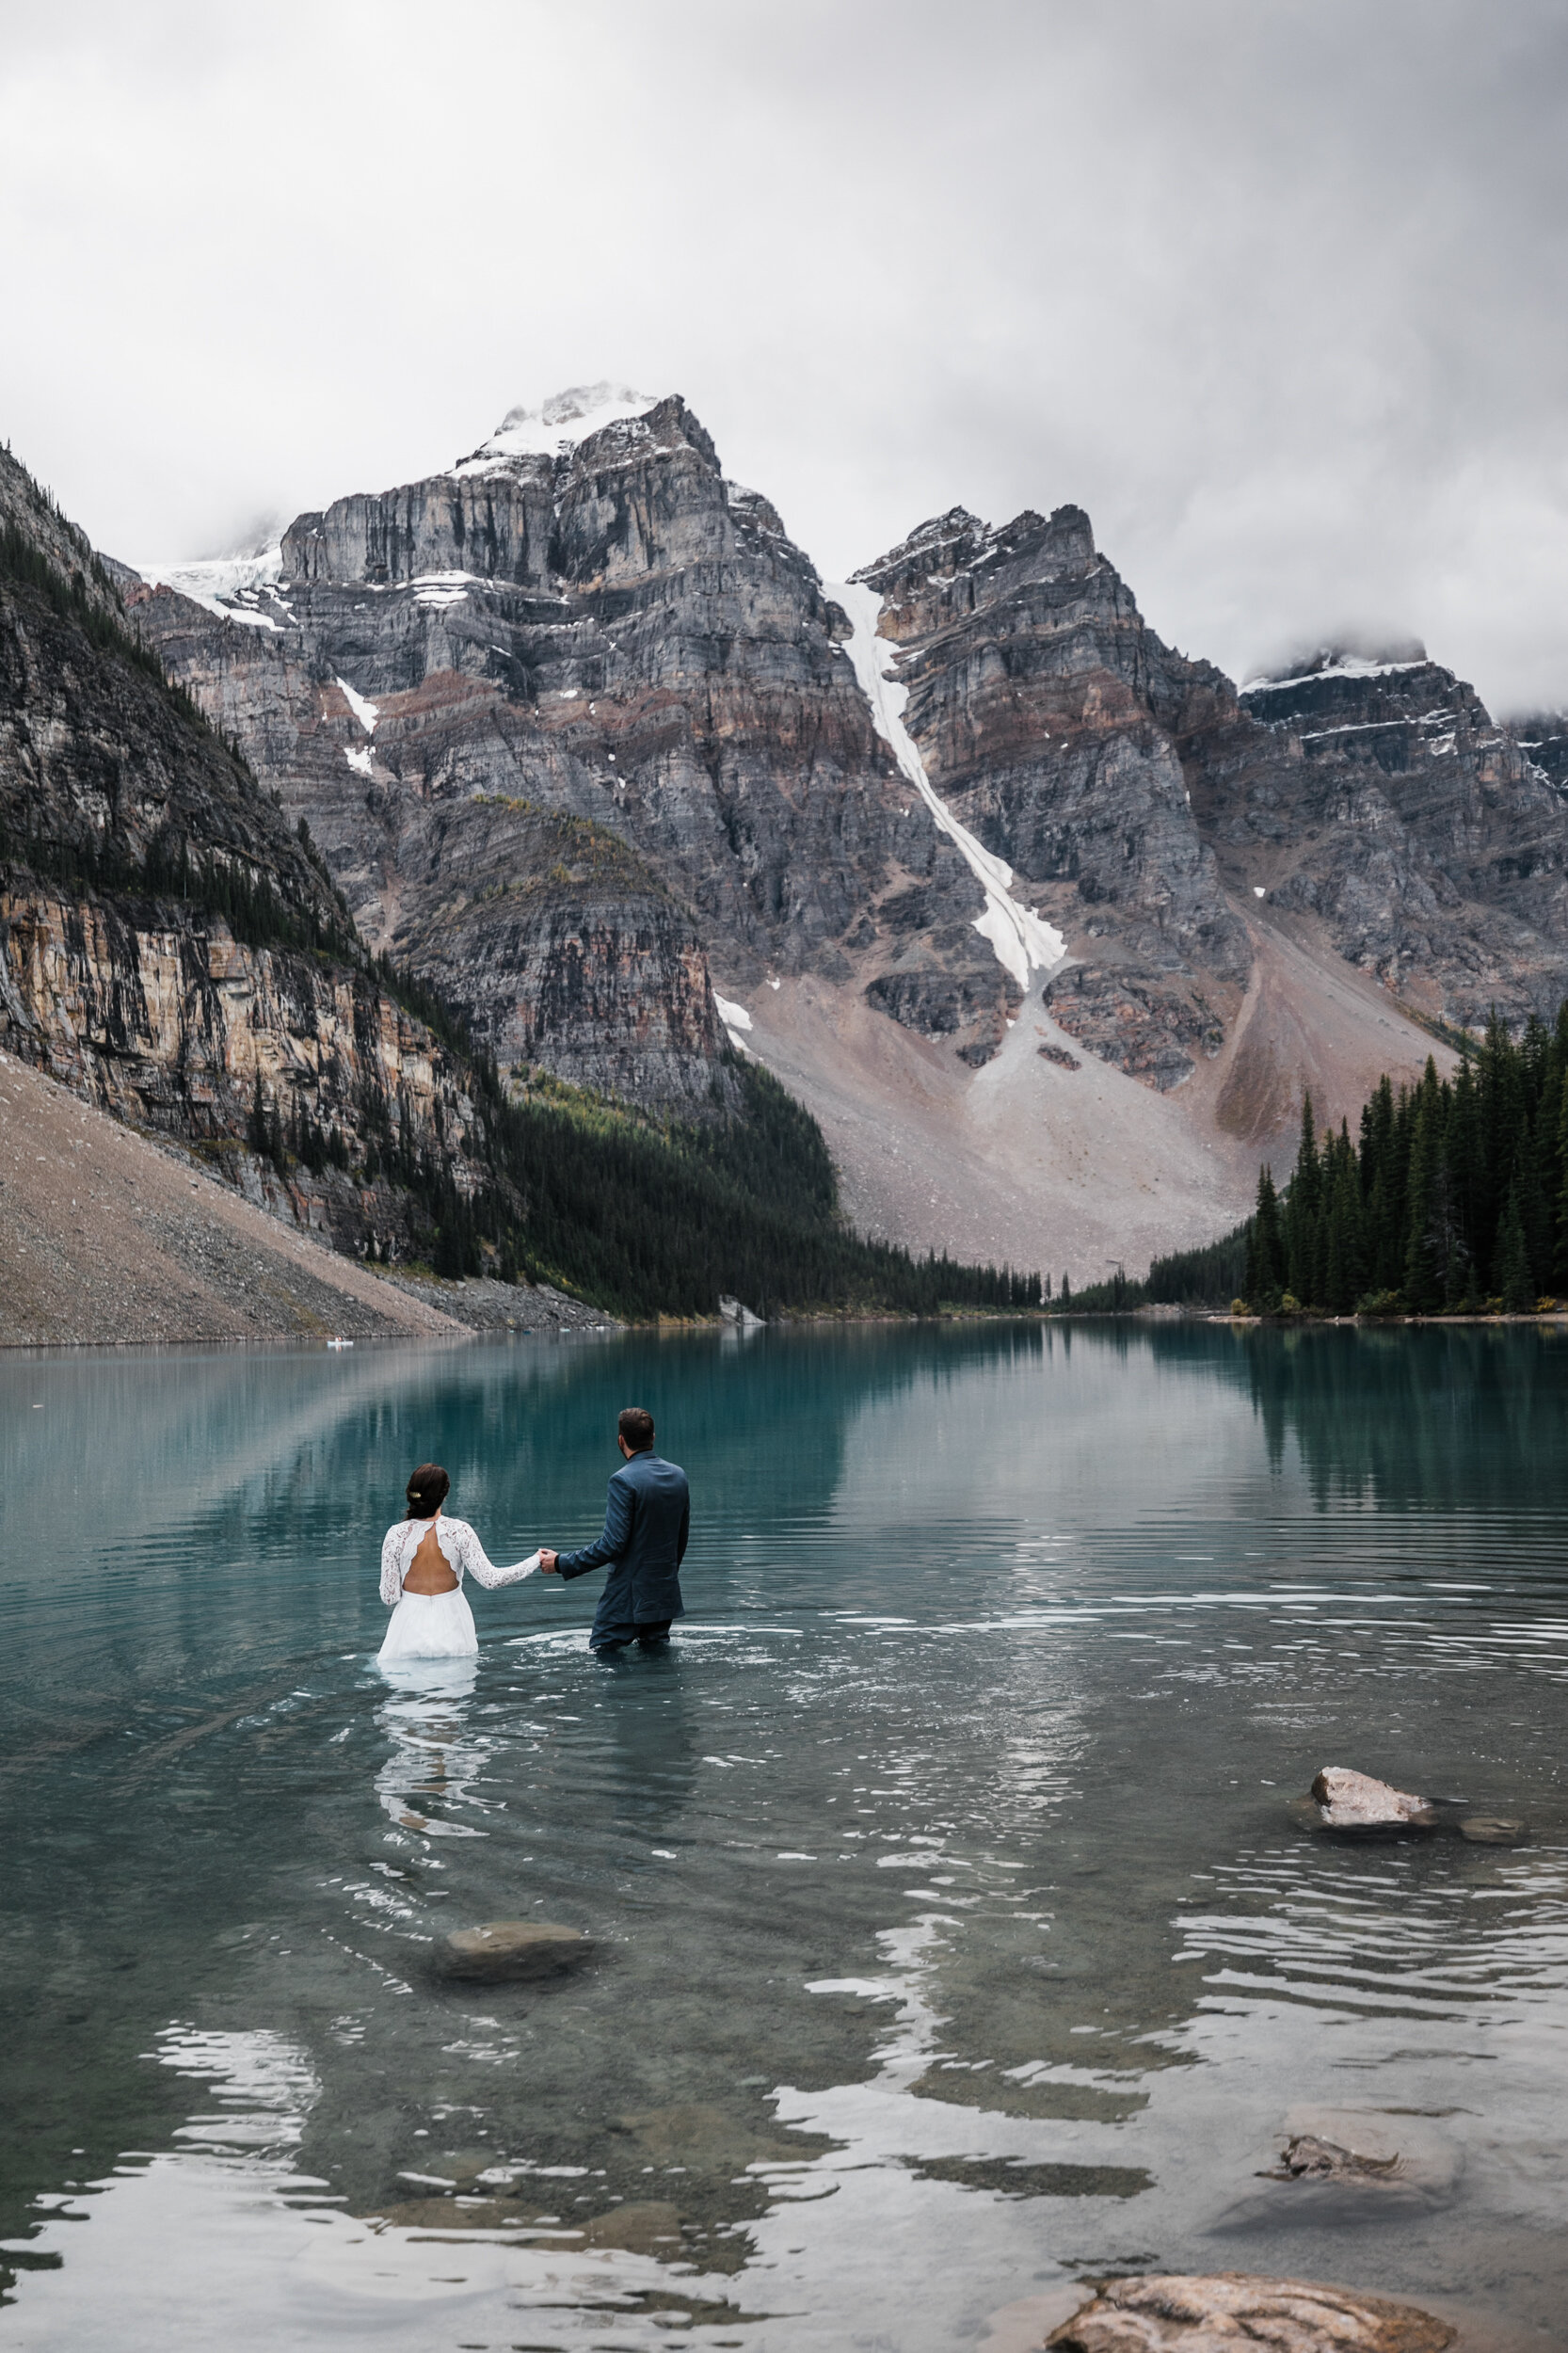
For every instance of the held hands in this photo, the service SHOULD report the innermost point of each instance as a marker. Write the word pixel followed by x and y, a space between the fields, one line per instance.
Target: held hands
pixel 548 1560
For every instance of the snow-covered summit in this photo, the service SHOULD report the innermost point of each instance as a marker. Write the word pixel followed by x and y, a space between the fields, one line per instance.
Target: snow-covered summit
pixel 1340 661
pixel 558 423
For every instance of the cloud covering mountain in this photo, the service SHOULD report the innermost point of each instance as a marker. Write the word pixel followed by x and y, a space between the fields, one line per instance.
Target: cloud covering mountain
pixel 1276 295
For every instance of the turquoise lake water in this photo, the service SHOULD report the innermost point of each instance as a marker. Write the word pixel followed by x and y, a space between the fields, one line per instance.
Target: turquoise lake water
pixel 952 1934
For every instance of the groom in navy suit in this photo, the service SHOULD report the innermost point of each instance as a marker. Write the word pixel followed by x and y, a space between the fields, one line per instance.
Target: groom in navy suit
pixel 648 1518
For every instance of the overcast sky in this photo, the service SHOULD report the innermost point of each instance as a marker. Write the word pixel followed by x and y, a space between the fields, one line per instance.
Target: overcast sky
pixel 1277 291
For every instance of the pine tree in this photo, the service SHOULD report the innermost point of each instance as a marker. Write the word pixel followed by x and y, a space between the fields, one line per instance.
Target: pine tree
pixel 1559 1262
pixel 1421 1287
pixel 1266 1252
pixel 1540 1178
pixel 1513 1267
pixel 1465 1152
pixel 1301 1211
pixel 1505 1126
pixel 1384 1240
pixel 1345 1268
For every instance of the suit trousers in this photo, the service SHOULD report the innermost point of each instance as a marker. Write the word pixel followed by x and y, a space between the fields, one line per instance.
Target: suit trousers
pixel 645 1637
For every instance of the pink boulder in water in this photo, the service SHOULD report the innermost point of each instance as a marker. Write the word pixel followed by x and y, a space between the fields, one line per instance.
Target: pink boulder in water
pixel 1229 2312
pixel 1356 1801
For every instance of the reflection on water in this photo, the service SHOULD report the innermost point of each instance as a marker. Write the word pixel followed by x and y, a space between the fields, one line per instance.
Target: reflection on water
pixel 428 1783
pixel 943 1889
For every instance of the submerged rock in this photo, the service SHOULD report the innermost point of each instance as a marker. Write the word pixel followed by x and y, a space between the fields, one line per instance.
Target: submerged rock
pixel 1374 2150
pixel 511 1948
pixel 1325 2160
pixel 1351 1801
pixel 1493 1830
pixel 1228 2311
pixel 650 2227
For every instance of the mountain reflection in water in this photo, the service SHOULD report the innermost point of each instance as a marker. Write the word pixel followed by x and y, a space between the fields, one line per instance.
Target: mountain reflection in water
pixel 951 1931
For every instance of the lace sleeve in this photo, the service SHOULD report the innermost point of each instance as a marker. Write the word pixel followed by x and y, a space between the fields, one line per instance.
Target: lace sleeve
pixel 479 1566
pixel 392 1578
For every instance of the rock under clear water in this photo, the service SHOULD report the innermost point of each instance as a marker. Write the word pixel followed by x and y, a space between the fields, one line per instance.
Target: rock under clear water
pixel 1227 2310
pixel 512 1948
pixel 1493 1830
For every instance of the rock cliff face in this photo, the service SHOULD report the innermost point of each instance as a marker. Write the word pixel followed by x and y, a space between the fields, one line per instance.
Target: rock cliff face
pixel 1033 685
pixel 1148 802
pixel 579 729
pixel 1377 800
pixel 167 942
pixel 1544 739
pixel 610 633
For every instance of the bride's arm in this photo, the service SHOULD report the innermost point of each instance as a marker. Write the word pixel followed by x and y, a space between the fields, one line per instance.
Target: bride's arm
pixel 392 1583
pixel 484 1570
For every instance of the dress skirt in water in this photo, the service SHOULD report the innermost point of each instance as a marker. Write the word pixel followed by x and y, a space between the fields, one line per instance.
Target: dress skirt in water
pixel 430 1625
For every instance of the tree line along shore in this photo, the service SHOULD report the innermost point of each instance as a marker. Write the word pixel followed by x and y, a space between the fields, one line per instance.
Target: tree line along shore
pixel 1452 1199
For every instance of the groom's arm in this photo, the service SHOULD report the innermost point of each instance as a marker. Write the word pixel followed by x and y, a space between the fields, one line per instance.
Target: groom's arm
pixel 612 1540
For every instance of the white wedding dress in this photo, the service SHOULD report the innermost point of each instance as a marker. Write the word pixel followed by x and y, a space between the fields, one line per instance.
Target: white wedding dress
pixel 436 1626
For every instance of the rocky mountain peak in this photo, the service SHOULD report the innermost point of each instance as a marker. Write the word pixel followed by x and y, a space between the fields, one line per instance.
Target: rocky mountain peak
pixel 1345 660
pixel 954 565
pixel 583 508
pixel 759 530
pixel 643 495
pixel 29 511
pixel 557 424
pixel 944 544
pixel 1059 546
pixel 667 429
pixel 583 433
pixel 1337 687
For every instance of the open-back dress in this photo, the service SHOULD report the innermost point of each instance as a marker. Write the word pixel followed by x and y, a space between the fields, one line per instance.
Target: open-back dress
pixel 436 1626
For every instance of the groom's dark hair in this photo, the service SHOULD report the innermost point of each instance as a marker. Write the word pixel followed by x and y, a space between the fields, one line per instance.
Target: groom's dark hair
pixel 636 1428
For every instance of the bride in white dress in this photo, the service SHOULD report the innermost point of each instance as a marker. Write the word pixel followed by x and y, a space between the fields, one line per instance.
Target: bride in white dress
pixel 423 1561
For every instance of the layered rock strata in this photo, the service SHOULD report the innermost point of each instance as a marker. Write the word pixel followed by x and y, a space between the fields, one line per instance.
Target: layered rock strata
pixel 169 946
pixel 611 633
pixel 1379 800
pixel 577 728
pixel 154 1011
pixel 1034 684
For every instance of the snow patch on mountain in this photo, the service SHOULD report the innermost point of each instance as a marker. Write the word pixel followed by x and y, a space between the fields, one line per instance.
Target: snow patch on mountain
pixel 238 587
pixel 557 424
pixel 366 713
pixel 1334 666
pixel 440 589
pixel 1023 943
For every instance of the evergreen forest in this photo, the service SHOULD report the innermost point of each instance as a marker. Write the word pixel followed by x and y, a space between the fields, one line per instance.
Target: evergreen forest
pixel 653 1219
pixel 1452 1197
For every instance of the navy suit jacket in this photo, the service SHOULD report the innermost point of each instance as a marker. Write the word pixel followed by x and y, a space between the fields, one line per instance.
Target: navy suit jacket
pixel 648 1518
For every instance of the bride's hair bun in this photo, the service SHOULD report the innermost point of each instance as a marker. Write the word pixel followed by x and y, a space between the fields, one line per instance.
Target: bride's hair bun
pixel 427 1491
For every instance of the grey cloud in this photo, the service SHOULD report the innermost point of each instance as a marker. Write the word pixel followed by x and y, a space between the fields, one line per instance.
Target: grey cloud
pixel 1277 291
